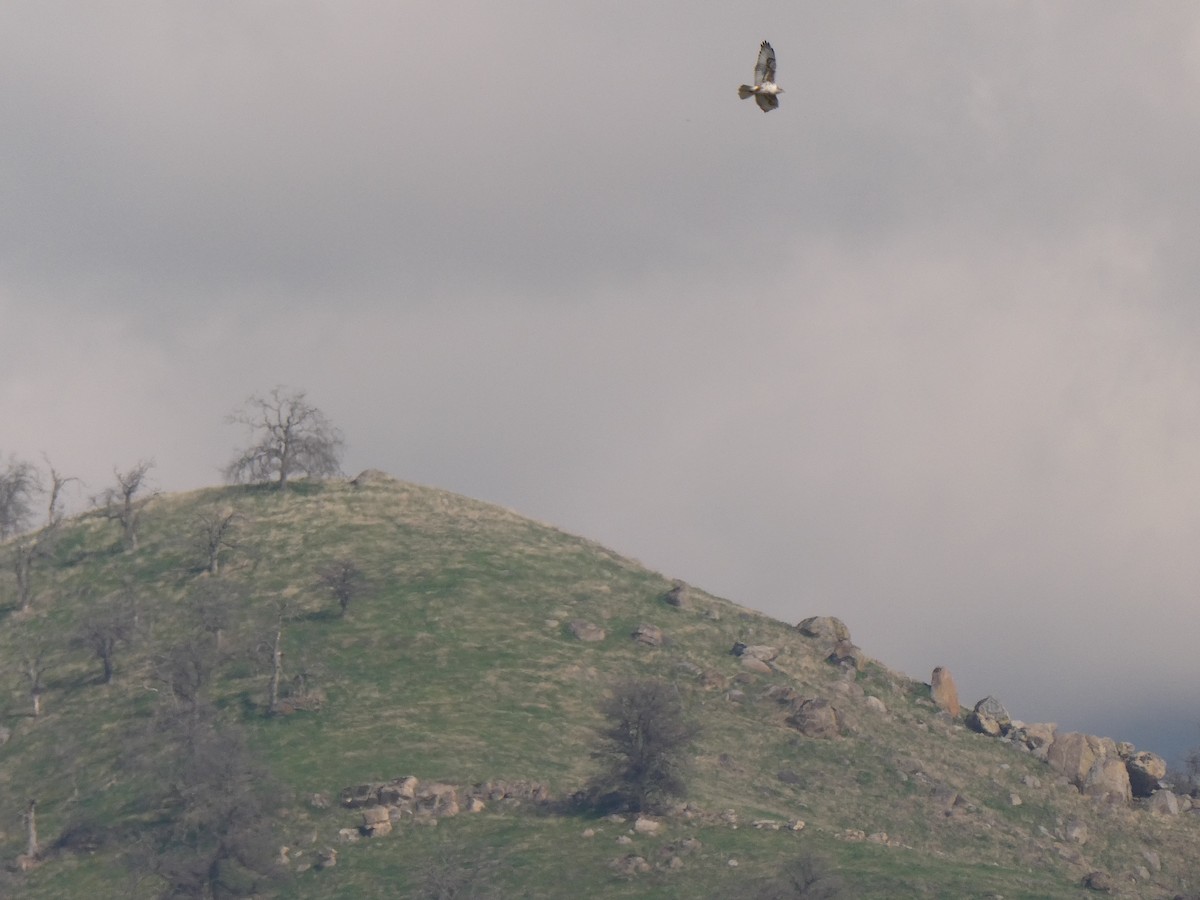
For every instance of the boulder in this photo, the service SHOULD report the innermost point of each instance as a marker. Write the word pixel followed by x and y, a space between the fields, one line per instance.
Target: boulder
pixel 989 717
pixel 875 705
pixel 1108 779
pixel 754 664
pixel 1072 754
pixel 586 631
pixel 1038 736
pixel 1098 881
pixel 756 651
pixel 1164 803
pixel 1146 770
pixel 678 596
pixel 827 629
pixel 816 718
pixel 643 825
pixel 943 692
pixel 650 635
pixel 846 653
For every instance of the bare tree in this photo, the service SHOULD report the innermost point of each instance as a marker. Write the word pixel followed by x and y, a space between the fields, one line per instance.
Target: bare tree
pixel 289 436
pixel 19 484
pixel 212 606
pixel 213 830
pixel 215 529
pixel 343 580
pixel 803 877
pixel 119 502
pixel 31 834
pixel 103 631
pixel 58 482
pixel 274 648
pixel 645 744
pixel 24 553
pixel 33 667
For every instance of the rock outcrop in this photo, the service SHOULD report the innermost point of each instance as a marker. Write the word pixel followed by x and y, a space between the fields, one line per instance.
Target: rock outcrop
pixel 943 692
pixel 989 717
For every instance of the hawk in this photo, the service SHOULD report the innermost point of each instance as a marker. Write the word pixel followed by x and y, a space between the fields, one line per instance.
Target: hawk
pixel 764 90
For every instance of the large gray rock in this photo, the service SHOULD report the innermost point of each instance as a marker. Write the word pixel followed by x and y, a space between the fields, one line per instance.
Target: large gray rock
pixel 816 718
pixel 586 631
pixel 989 717
pixel 1165 803
pixel 650 635
pixel 848 655
pixel 1146 770
pixel 1072 754
pixel 943 691
pixel 1108 779
pixel 827 629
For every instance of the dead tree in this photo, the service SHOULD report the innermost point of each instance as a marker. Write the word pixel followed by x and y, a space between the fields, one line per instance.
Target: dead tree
pixel 343 580
pixel 215 534
pixel 102 632
pixel 33 667
pixel 119 502
pixel 19 484
pixel 58 481
pixel 31 835
pixel 289 437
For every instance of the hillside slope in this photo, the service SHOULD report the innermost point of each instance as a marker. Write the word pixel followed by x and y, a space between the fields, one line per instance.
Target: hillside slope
pixel 458 664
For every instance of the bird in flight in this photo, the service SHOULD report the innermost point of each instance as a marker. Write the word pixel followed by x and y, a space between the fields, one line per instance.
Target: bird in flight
pixel 764 90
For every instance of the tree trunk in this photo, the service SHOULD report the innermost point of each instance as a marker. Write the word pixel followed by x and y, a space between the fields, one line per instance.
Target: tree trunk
pixel 23 565
pixel 31 846
pixel 276 671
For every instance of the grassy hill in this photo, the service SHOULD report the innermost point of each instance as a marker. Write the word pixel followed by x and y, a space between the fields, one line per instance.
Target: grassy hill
pixel 457 664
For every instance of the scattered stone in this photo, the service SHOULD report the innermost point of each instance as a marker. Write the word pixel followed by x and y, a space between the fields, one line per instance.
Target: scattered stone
pixel 943 692
pixel 875 705
pixel 824 628
pixel 1031 781
pixel 1146 770
pixel 847 654
pixel 1014 799
pixel 327 858
pixel 1098 881
pixel 1036 737
pixel 586 631
pixel 1152 859
pixel 678 596
pixel 1164 803
pixel 674 863
pixel 816 718
pixel 643 825
pixel 650 635
pixel 1077 832
pixel 989 717
pixel 1108 779
pixel 589 833
pixel 796 825
pixel 349 835
pixel 788 776
pixel 754 664
pixel 879 837
pixel 732 863
pixel 766 824
pixel 1073 754
pixel 631 865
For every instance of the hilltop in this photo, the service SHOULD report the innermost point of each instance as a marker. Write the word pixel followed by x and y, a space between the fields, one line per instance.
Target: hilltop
pixel 459 692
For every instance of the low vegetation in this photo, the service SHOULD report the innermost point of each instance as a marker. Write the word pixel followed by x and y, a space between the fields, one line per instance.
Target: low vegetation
pixel 181 716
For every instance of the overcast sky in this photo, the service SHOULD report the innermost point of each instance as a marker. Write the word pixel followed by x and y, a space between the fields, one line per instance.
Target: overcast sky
pixel 920 349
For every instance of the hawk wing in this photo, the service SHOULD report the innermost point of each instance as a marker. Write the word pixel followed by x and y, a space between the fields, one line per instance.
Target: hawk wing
pixel 764 69
pixel 766 102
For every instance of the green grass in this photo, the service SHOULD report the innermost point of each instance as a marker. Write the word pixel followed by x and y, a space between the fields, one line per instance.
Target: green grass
pixel 457 665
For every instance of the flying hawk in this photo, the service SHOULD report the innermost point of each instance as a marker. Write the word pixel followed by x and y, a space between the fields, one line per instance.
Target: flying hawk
pixel 764 89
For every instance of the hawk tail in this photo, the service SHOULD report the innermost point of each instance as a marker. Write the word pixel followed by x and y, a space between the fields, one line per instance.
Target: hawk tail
pixel 745 91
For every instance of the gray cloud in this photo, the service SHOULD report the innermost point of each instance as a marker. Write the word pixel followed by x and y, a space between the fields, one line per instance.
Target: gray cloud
pixel 917 350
